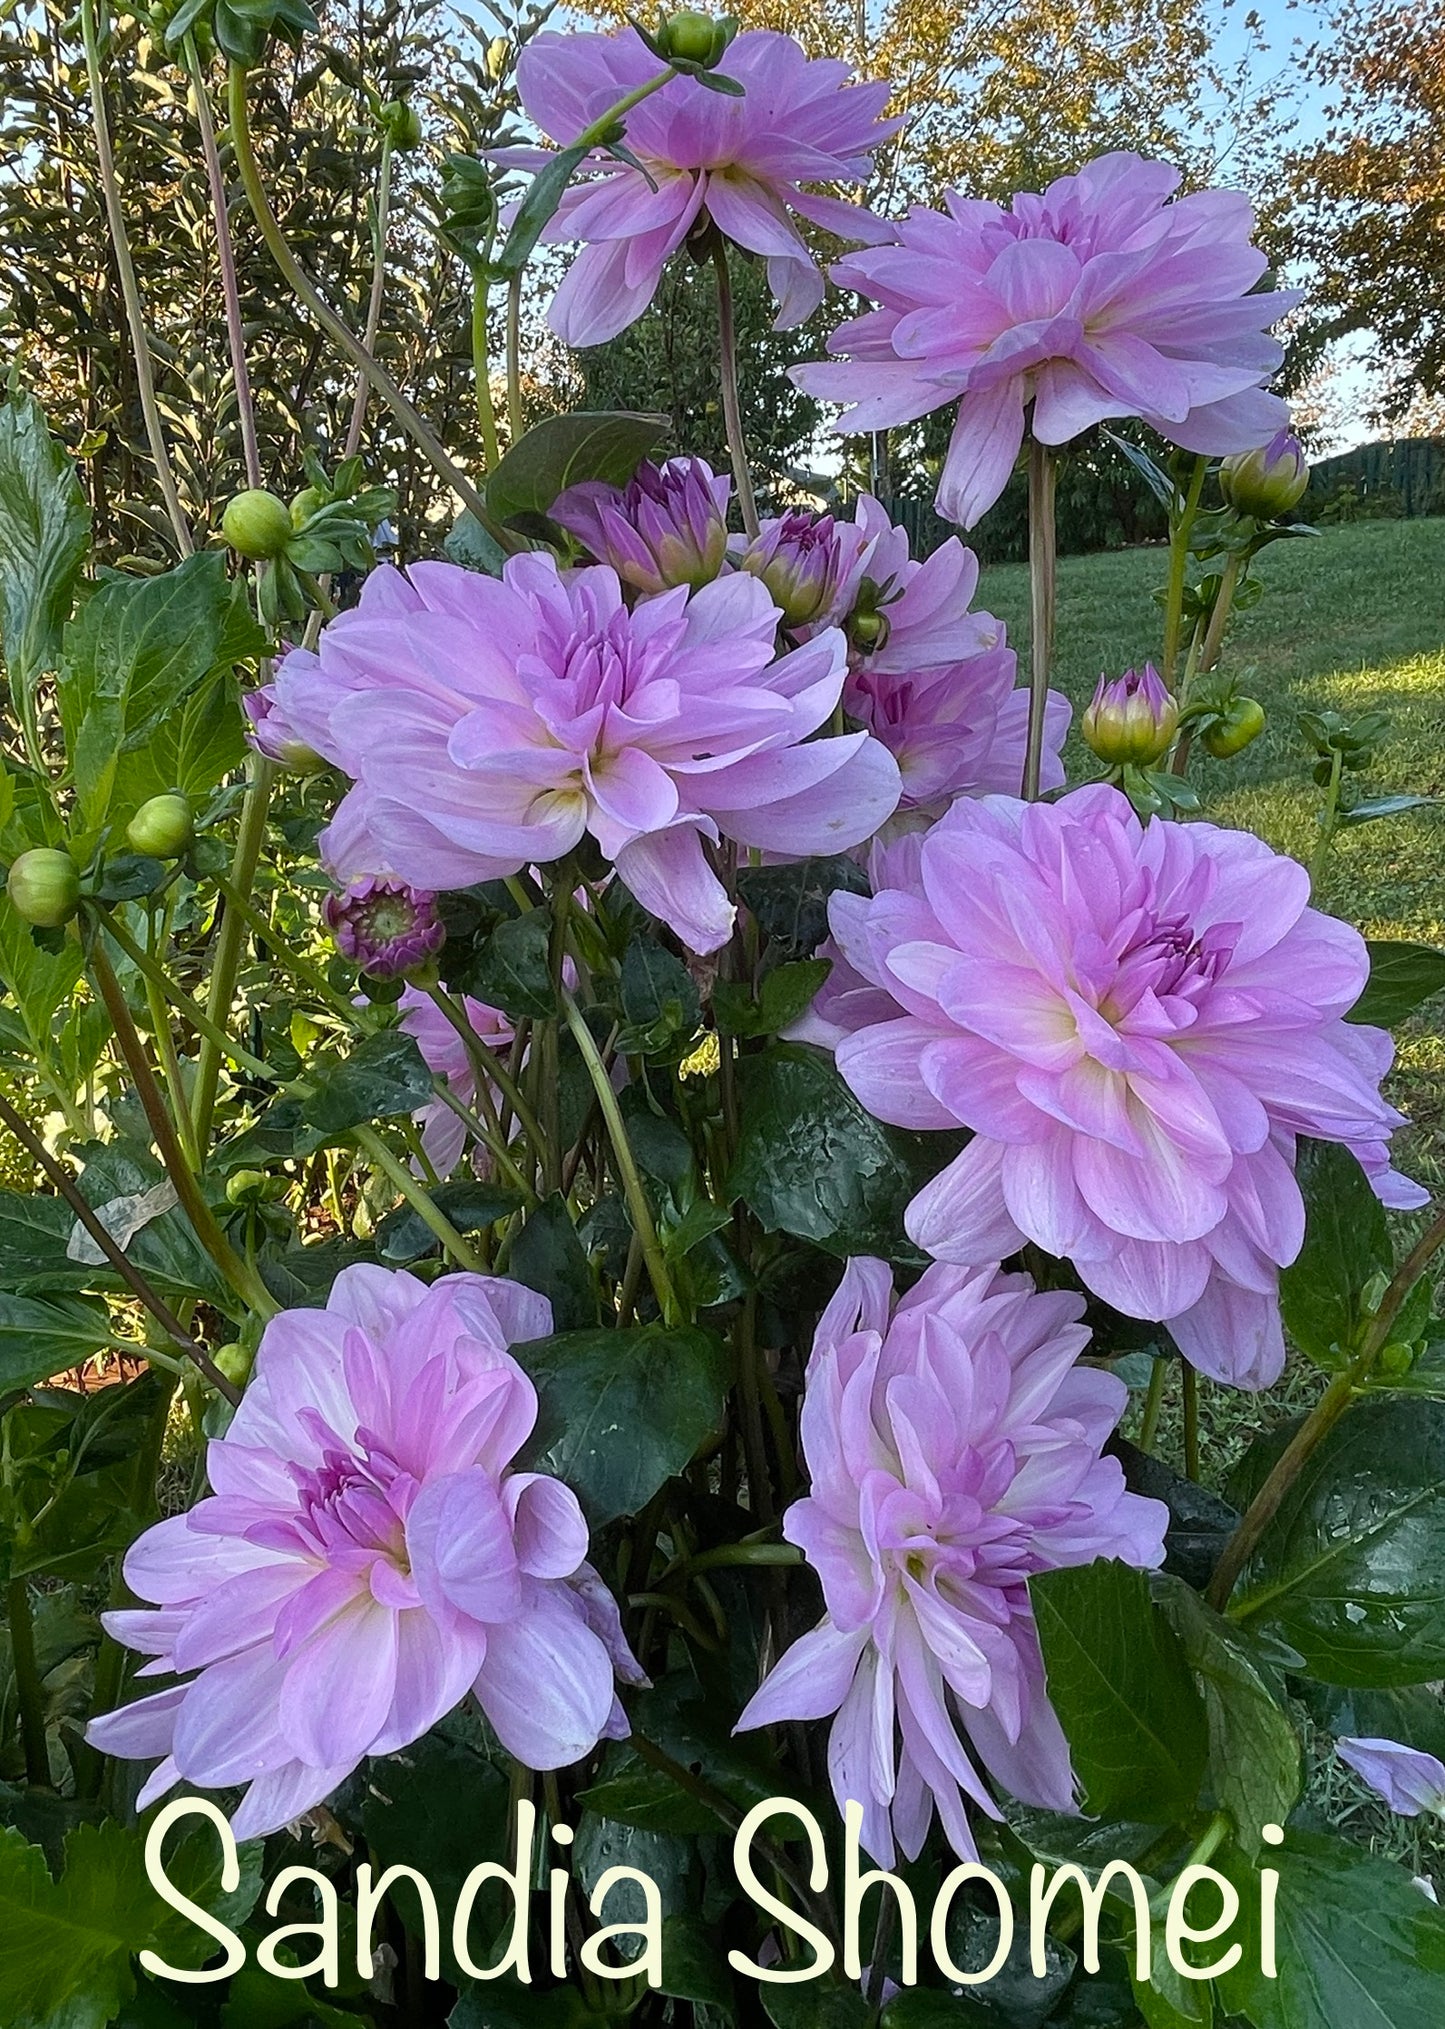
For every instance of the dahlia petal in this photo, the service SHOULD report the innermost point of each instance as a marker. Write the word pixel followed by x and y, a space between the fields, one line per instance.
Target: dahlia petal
pixel 669 874
pixel 810 1681
pixel 1232 1335
pixel 546 1683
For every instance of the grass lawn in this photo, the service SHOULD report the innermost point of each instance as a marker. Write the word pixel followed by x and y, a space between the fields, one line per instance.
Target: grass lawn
pixel 1352 620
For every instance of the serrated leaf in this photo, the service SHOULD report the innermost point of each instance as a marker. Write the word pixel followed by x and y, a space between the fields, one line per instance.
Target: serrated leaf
pixel 384 1076
pixel 513 969
pixel 42 1336
pixel 44 536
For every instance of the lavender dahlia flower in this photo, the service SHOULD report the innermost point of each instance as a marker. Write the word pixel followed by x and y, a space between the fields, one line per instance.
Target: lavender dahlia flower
pixel 1097 298
pixel 742 162
pixel 1409 1780
pixel 667 526
pixel 488 724
pixel 1136 1022
pixel 799 559
pixel 368 1557
pixel 385 927
pixel 953 1444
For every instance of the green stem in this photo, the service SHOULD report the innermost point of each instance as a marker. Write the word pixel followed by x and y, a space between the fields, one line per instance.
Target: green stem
pixel 158 980
pixel 1329 821
pixel 170 1066
pixel 1043 573
pixel 1200 1854
pixel 285 954
pixel 488 1063
pixel 1318 1425
pixel 29 1691
pixel 744 1553
pixel 515 424
pixel 1191 1422
pixel 129 287
pixel 226 255
pixel 377 297
pixel 229 938
pixel 632 1188
pixel 376 1151
pixel 732 408
pixel 482 372
pixel 1178 565
pixel 490 1137
pixel 406 414
pixel 1153 1403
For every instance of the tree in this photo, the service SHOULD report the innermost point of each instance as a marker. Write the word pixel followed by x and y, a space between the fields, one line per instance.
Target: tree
pixel 1369 203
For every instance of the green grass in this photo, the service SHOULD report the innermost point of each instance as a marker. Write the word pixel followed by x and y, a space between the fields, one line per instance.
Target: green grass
pixel 1351 620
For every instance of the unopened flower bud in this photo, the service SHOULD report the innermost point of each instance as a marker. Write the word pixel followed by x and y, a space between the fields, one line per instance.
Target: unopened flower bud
pixel 235 1361
pixel 384 927
pixel 400 123
pixel 694 37
pixel 44 887
pixel 868 626
pixel 1240 723
pixel 1132 719
pixel 310 500
pixel 162 827
pixel 256 524
pixel 1268 483
pixel 667 526
pixel 254 1187
pixel 799 560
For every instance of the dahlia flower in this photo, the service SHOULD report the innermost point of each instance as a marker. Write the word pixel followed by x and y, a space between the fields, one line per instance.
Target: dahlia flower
pixel 799 558
pixel 953 1445
pixel 488 724
pixel 667 526
pixel 443 1133
pixel 1136 1022
pixel 269 733
pixel 367 1557
pixel 385 927
pixel 1131 718
pixel 1409 1780
pixel 1100 297
pixel 741 162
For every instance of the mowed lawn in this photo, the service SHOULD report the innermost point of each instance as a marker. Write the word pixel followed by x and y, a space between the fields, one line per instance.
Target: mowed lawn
pixel 1351 620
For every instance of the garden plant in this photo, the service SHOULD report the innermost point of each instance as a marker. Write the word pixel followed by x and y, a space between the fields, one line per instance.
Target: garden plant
pixel 601 1149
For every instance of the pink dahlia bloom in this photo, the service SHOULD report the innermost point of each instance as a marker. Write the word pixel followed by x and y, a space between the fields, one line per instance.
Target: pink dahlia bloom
pixel 443 1134
pixel 384 927
pixel 488 724
pixel 1100 297
pixel 1136 1022
pixel 367 1557
pixel 1409 1780
pixel 953 1445
pixel 667 526
pixel 745 163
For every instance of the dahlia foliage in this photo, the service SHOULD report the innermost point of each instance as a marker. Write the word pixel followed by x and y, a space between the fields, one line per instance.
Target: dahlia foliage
pixel 673 1194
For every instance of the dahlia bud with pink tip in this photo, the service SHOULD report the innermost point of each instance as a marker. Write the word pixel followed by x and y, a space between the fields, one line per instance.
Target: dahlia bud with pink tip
pixel 384 927
pixel 1132 719
pixel 799 559
pixel 1269 482
pixel 667 526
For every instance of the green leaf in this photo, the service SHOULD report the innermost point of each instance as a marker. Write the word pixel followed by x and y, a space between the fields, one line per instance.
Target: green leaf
pixel 544 194
pixel 44 536
pixel 660 1005
pixel 693 1965
pixel 783 995
pixel 1382 806
pixel 404 1236
pixel 41 1336
pixel 560 451
pixel 384 1076
pixel 1415 1714
pixel 134 653
pixel 1120 1684
pixel 193 750
pixel 547 1256
pixel 622 1411
pixel 812 1161
pixel 513 969
pixel 471 546
pixel 1349 1571
pixel 790 902
pixel 817 2004
pixel 1401 977
pixel 1358 1945
pixel 41 980
pixel 1254 1751
pixel 690 1723
pixel 1347 1243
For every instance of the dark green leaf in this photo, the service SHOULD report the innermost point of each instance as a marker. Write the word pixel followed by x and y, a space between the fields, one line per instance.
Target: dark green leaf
pixel 783 995
pixel 44 535
pixel 817 2004
pixel 1401 976
pixel 1383 806
pixel 470 545
pixel 1414 1714
pixel 41 1336
pixel 1347 1243
pixel 623 1411
pixel 790 902
pixel 544 194
pixel 513 971
pixel 693 1965
pixel 1254 1751
pixel 383 1077
pixel 404 1236
pixel 129 875
pixel 1350 1569
pixel 1200 1523
pixel 813 1162
pixel 1358 1945
pixel 562 450
pixel 1122 1689
pixel 547 1256
pixel 660 1004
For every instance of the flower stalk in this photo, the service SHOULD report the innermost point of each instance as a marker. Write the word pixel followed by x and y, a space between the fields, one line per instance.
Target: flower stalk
pixel 1043 571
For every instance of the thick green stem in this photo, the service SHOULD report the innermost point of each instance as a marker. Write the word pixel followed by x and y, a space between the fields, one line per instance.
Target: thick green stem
pixel 1153 1404
pixel 1178 566
pixel 415 425
pixel 29 1691
pixel 229 938
pixel 516 426
pixel 488 1064
pixel 482 372
pixel 129 287
pixel 286 955
pixel 1329 821
pixel 1191 1422
pixel 732 408
pixel 226 255
pixel 636 1196
pixel 1043 573
pixel 1318 1425
pixel 159 982
pixel 376 1151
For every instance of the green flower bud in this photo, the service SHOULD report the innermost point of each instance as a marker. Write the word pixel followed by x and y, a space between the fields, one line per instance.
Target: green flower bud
pixel 400 122
pixel 1268 483
pixel 694 37
pixel 256 524
pixel 1131 720
pixel 162 827
pixel 235 1362
pixel 1241 722
pixel 246 1187
pixel 310 500
pixel 44 887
